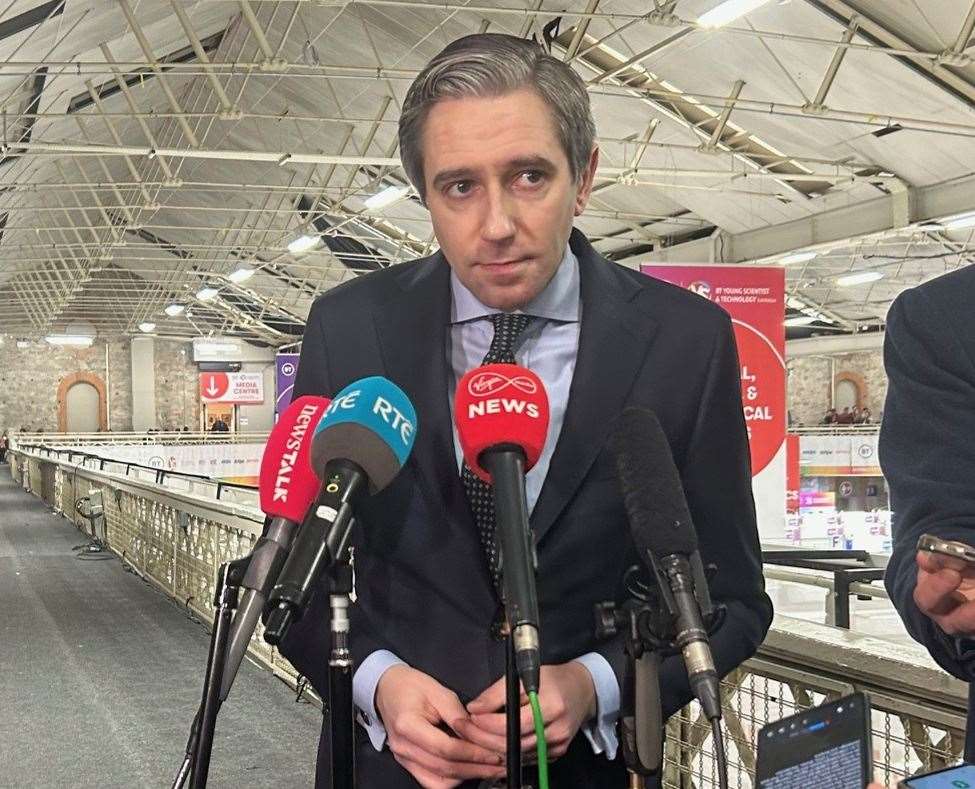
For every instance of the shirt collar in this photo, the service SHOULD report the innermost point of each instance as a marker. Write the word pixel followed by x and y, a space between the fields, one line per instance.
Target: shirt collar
pixel 559 301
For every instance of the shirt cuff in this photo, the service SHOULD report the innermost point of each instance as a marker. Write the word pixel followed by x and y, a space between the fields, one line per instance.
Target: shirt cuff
pixel 364 683
pixel 601 730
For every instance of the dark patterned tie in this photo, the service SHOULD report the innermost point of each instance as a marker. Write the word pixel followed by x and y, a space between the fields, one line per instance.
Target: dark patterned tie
pixel 480 495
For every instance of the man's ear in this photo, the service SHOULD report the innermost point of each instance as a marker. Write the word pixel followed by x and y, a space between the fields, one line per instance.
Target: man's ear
pixel 586 181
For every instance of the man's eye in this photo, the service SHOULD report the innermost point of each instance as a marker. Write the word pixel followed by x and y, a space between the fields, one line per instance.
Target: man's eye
pixel 459 188
pixel 532 177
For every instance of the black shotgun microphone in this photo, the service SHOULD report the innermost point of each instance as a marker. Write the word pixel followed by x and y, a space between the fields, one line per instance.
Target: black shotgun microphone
pixel 664 535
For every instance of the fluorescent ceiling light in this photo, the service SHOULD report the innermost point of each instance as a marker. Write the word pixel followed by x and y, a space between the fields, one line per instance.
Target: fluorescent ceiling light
pixel 242 274
pixel 860 278
pixel 207 294
pixel 70 339
pixel 960 222
pixel 800 320
pixel 174 309
pixel 386 197
pixel 147 326
pixel 303 244
pixel 797 257
pixel 728 11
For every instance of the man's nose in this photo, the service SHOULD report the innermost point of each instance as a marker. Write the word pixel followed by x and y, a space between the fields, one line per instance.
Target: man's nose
pixel 499 219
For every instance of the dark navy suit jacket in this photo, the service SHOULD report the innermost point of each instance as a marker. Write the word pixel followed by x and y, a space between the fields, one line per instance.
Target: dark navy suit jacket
pixel 927 446
pixel 421 578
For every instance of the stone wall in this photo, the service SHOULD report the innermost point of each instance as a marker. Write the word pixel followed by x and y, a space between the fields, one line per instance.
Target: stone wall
pixel 29 380
pixel 809 383
pixel 177 386
pixel 807 387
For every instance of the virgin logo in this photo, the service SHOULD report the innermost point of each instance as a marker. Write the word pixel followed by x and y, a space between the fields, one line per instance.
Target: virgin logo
pixel 490 383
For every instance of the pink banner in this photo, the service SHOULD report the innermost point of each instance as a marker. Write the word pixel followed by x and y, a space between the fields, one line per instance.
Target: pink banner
pixel 754 297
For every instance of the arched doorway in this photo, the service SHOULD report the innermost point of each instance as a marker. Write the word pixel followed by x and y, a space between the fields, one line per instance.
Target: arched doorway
pixel 81 404
pixel 850 390
pixel 847 395
pixel 81 407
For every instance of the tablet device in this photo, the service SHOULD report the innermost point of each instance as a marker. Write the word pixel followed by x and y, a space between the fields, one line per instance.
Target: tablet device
pixel 827 747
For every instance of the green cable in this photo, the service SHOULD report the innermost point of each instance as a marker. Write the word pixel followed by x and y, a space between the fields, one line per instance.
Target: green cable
pixel 541 746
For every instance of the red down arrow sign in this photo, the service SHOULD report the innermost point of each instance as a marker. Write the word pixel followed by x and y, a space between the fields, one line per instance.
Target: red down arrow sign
pixel 213 386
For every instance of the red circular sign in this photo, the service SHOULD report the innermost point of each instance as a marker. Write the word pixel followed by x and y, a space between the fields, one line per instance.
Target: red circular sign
pixel 762 394
pixel 213 386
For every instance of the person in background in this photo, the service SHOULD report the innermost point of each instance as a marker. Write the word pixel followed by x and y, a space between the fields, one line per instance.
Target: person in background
pixel 929 463
pixel 845 418
pixel 219 426
pixel 4 443
pixel 857 415
pixel 865 416
pixel 830 417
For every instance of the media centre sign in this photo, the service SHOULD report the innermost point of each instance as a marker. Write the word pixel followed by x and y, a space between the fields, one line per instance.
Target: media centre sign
pixel 238 388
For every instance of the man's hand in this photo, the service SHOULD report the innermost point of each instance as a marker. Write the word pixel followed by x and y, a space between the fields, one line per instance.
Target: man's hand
pixel 415 708
pixel 567 698
pixel 945 591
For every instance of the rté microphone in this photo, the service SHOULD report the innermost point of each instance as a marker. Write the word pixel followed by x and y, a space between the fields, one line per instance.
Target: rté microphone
pixel 361 443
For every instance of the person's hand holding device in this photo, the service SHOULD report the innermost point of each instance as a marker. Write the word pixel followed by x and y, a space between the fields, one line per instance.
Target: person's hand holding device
pixel 945 589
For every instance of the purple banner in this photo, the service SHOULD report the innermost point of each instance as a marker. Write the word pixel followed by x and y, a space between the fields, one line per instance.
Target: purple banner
pixel 286 365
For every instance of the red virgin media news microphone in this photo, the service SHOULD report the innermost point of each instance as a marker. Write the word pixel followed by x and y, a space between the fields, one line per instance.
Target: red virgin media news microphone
pixel 288 487
pixel 501 413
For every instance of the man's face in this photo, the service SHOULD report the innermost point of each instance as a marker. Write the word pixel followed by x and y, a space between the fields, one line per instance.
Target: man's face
pixel 501 194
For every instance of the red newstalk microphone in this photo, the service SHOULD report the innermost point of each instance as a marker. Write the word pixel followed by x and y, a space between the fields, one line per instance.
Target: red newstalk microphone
pixel 501 413
pixel 288 487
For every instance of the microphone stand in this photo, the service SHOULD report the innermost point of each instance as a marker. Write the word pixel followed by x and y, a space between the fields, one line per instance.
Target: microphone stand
pixel 642 729
pixel 200 744
pixel 647 623
pixel 196 762
pixel 340 707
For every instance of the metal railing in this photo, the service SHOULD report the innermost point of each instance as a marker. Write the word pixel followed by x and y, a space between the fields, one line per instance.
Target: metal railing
pixel 174 533
pixel 177 540
pixel 918 716
pixel 835 430
pixel 183 481
pixel 844 574
pixel 28 441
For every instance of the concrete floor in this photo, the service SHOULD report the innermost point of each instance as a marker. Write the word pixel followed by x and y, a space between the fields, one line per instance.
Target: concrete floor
pixel 100 675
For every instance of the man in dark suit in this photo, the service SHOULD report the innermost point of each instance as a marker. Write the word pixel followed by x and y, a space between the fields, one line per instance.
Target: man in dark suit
pixel 927 450
pixel 497 136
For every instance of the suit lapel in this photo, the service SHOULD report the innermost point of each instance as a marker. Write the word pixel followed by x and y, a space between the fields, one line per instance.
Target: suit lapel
pixel 412 330
pixel 614 339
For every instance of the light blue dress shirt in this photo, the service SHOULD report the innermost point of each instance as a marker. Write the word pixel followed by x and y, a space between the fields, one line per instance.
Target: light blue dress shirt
pixel 549 347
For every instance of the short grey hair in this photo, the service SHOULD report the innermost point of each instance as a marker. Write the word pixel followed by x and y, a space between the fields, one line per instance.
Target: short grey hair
pixel 493 64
